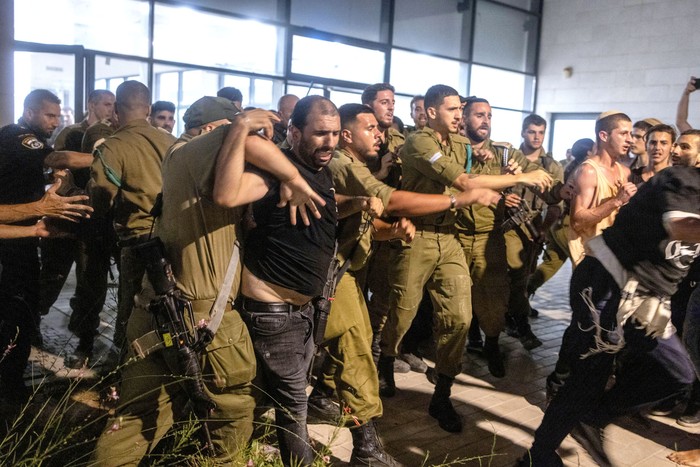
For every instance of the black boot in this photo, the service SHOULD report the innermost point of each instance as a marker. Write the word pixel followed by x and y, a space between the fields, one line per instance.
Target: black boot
pixel 82 354
pixel 387 385
pixel 321 408
pixel 376 349
pixel 475 344
pixel 494 357
pixel 367 449
pixel 441 407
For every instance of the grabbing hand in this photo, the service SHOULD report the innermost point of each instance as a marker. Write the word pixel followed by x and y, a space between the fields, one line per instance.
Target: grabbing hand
pixel 513 168
pixel 54 205
pixel 259 119
pixel 567 191
pixel 625 191
pixel 483 155
pixel 299 195
pixel 404 229
pixel 537 179
pixel 373 206
pixel 690 87
pixel 512 200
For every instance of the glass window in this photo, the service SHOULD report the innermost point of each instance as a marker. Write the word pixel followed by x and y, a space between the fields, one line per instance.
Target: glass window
pixel 85 22
pixel 55 72
pixel 566 130
pixel 228 40
pixel 505 37
pixel 263 9
pixel 110 72
pixel 413 73
pixel 303 90
pixel 415 25
pixel 503 88
pixel 345 96
pixel 358 18
pixel 402 108
pixel 199 83
pixel 506 125
pixel 340 61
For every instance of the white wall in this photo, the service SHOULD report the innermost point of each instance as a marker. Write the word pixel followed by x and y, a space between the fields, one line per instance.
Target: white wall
pixel 631 55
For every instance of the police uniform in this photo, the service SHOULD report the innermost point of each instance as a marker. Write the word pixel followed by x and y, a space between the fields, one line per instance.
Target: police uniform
pixel 22 154
pixel 349 333
pixel 126 177
pixel 198 236
pixel 434 258
pixel 520 247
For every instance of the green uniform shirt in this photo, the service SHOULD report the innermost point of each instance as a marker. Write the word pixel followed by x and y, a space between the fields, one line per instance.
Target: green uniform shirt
pixel 352 177
pixel 96 134
pixel 429 167
pixel 392 140
pixel 482 219
pixel 134 153
pixel 197 233
pixel 70 137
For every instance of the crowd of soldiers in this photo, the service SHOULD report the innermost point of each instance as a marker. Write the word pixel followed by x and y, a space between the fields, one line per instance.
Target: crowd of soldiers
pixel 258 240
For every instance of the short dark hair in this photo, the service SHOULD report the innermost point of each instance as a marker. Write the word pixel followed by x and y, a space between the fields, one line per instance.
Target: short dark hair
pixel 692 132
pixel 662 128
pixel 437 93
pixel 370 92
pixel 419 97
pixel 534 119
pixel 230 93
pixel 35 99
pixel 471 100
pixel 133 95
pixel 349 112
pixel 306 105
pixel 580 149
pixel 97 95
pixel 159 106
pixel 609 123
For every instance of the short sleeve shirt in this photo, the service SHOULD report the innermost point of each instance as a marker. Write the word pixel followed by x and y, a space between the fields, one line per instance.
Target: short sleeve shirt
pixel 639 239
pixel 22 154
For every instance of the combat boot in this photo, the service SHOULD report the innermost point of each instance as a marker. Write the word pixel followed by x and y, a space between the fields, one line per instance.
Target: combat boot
pixel 441 407
pixel 321 408
pixel 387 385
pixel 494 357
pixel 367 449
pixel 82 354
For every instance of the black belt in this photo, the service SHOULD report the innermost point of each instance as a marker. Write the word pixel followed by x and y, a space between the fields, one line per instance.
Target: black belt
pixel 248 304
pixel 133 241
pixel 438 229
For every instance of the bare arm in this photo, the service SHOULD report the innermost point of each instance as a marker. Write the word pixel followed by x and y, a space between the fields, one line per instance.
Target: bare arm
pixel 536 178
pixel 402 229
pixel 584 216
pixel 685 229
pixel 68 160
pixel 40 229
pixel 410 204
pixel 50 204
pixel 682 110
pixel 349 205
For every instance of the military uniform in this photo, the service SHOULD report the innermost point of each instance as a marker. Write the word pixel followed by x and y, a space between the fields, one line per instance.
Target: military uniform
pixel 521 249
pixel 198 236
pixel 434 258
pixel 131 158
pixel 22 154
pixel 482 238
pixel 377 269
pixel 348 334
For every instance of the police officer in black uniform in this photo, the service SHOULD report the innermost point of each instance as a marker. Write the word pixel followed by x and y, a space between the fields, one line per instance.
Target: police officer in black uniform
pixel 23 148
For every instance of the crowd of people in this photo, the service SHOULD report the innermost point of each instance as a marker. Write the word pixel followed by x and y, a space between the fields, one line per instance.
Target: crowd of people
pixel 259 240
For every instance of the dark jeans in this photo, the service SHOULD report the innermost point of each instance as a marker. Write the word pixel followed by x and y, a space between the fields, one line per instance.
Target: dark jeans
pixel 131 272
pixel 691 329
pixel 19 318
pixel 283 343
pixel 652 370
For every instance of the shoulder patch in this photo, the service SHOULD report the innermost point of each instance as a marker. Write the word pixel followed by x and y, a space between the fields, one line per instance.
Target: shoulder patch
pixel 32 142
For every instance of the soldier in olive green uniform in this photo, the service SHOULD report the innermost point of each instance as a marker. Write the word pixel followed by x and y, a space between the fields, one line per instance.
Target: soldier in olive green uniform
pixel 523 246
pixel 126 178
pixel 480 232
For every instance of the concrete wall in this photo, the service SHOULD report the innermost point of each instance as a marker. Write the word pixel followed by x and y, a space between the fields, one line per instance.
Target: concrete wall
pixel 631 55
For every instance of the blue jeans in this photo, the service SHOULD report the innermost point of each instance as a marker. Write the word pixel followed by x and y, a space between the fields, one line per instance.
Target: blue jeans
pixel 283 343
pixel 650 370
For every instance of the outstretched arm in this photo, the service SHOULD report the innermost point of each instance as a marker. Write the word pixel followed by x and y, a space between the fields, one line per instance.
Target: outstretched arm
pixel 51 204
pixel 682 110
pixel 68 160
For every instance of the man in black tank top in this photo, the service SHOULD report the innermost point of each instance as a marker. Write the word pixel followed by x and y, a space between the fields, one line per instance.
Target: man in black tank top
pixel 285 266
